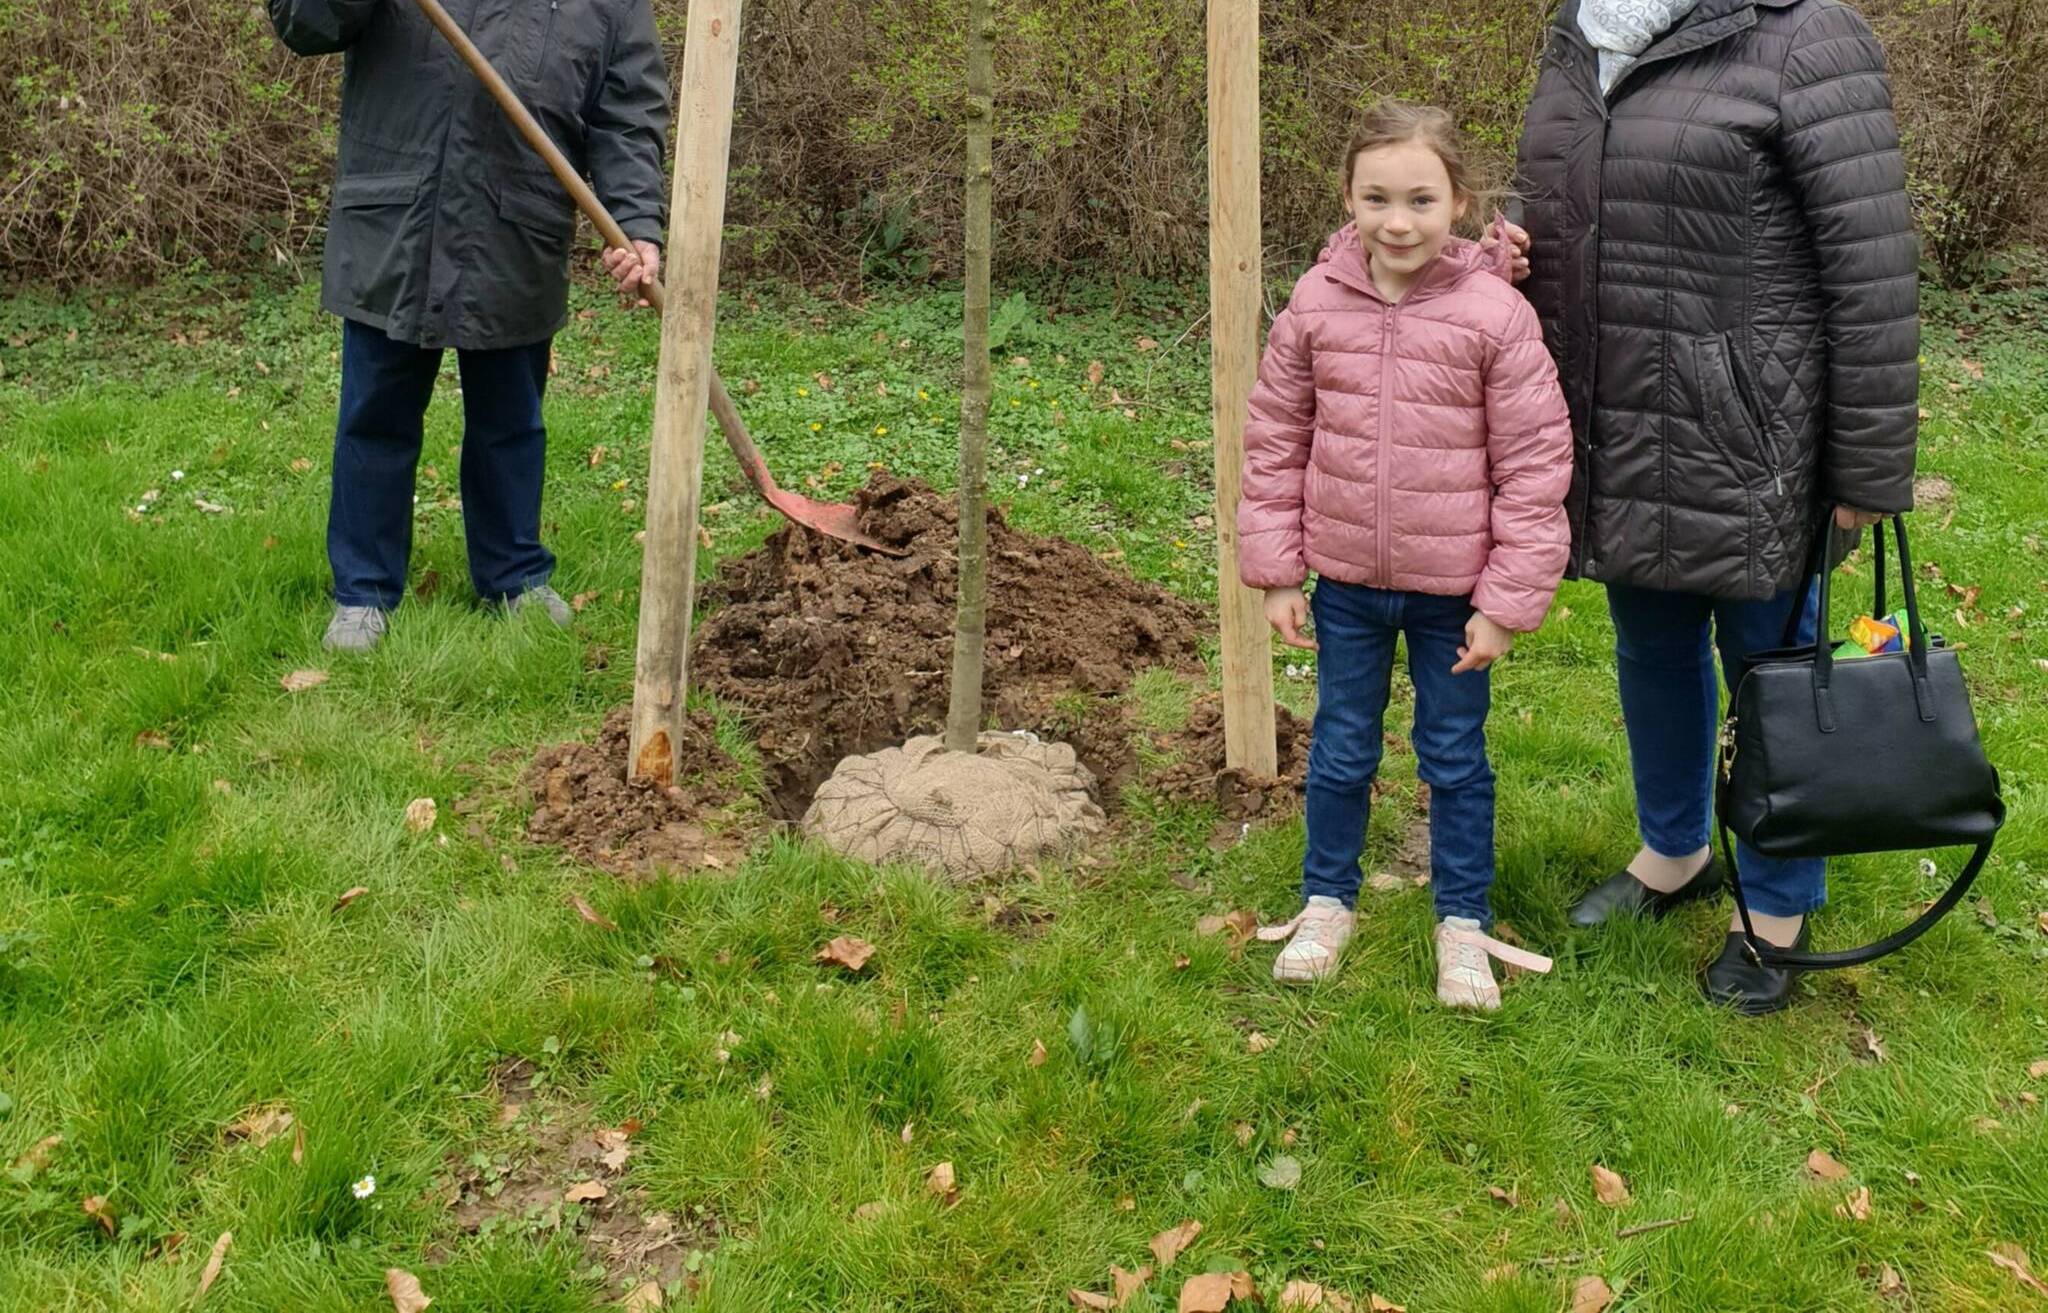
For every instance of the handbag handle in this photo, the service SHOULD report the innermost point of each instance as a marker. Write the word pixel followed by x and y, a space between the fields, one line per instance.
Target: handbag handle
pixel 1916 644
pixel 1764 953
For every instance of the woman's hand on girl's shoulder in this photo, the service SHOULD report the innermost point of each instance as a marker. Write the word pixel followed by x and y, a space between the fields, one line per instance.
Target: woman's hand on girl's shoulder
pixel 1287 612
pixel 1518 238
pixel 1485 643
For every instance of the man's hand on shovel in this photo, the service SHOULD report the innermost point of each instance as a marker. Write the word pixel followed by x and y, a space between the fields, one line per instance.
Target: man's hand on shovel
pixel 635 270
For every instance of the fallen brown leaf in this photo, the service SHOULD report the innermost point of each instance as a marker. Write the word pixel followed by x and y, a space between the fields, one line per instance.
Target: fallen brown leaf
pixel 404 1287
pixel 643 1298
pixel 1147 344
pixel 597 455
pixel 1378 1305
pixel 872 1209
pixel 1504 1272
pixel 1244 1132
pixel 846 951
pixel 350 895
pixel 211 1272
pixel 96 1207
pixel 1212 1291
pixel 941 1183
pixel 1037 1058
pixel 2014 1260
pixel 1591 1295
pixel 420 815
pixel 298 681
pixel 1298 1294
pixel 1256 1043
pixel 1127 1284
pixel 591 914
pixel 1167 1245
pixel 1857 1206
pixel 38 1156
pixel 581 600
pixel 153 739
pixel 1821 1166
pixel 2037 1070
pixel 1872 1047
pixel 1094 373
pixel 1089 1299
pixel 259 1126
pixel 1505 1198
pixel 1889 1282
pixel 584 1192
pixel 1608 1187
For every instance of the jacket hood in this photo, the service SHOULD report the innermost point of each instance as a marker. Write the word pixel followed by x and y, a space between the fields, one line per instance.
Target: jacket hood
pixel 1343 256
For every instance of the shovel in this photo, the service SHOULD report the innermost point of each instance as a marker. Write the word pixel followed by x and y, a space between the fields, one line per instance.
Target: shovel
pixel 833 519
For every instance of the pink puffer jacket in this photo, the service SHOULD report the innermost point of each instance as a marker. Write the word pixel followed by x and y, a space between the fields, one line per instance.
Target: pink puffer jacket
pixel 1421 445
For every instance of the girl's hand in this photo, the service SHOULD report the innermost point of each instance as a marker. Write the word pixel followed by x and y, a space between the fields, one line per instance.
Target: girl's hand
pixel 1287 612
pixel 1485 643
pixel 1850 519
pixel 1518 239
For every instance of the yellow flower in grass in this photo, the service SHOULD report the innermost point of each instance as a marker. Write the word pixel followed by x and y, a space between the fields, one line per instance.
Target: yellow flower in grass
pixel 881 430
pixel 816 426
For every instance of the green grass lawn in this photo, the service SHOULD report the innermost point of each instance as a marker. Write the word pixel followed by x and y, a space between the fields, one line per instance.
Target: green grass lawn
pixel 176 829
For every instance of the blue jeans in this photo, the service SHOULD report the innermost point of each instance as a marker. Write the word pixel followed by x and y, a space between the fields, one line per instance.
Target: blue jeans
pixel 1664 656
pixel 1356 628
pixel 385 387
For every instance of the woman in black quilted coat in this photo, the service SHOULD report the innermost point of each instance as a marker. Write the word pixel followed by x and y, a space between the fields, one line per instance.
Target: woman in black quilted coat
pixel 1720 248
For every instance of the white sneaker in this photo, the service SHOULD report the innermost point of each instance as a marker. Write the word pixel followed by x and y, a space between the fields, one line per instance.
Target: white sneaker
pixel 1464 975
pixel 1315 940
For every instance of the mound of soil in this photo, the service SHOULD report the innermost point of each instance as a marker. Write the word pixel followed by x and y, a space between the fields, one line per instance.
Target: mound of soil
pixel 1198 773
pixel 834 651
pixel 585 804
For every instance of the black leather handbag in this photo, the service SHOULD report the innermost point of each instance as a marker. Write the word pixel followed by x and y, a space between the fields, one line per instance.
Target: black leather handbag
pixel 1824 758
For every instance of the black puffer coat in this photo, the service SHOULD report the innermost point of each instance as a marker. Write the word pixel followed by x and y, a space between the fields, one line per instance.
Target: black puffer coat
pixel 447 230
pixel 1723 259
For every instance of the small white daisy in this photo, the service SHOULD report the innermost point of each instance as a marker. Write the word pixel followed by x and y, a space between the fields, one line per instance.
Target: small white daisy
pixel 364 1188
pixel 177 474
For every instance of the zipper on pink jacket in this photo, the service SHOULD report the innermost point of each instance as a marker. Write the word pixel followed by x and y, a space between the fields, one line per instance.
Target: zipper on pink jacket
pixel 1381 439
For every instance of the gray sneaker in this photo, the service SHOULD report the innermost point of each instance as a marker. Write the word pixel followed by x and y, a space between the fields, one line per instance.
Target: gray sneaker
pixel 355 629
pixel 547 599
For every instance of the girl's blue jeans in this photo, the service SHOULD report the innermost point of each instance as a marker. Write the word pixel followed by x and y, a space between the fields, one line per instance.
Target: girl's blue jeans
pixel 1356 628
pixel 1664 657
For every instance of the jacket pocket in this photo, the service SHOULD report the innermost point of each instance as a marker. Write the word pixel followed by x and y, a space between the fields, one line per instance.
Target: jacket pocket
pixel 550 215
pixel 1727 405
pixel 356 191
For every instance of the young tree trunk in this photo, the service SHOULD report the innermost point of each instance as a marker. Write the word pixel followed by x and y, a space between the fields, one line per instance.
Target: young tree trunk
pixel 970 617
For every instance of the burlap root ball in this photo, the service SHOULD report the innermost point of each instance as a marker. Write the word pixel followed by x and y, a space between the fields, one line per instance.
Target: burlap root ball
pixel 1014 801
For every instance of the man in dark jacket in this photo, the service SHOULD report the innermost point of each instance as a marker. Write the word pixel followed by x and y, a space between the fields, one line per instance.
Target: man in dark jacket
pixel 447 231
pixel 1722 255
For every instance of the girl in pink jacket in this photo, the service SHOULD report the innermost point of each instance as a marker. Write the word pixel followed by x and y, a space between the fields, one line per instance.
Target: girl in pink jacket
pixel 1409 444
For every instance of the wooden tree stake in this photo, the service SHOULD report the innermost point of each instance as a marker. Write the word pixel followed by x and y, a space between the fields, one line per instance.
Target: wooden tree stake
pixel 1234 302
pixel 970 614
pixel 682 386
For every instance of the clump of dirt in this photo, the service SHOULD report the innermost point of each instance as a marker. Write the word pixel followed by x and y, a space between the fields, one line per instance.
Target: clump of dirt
pixel 1198 773
pixel 554 1168
pixel 585 804
pixel 834 651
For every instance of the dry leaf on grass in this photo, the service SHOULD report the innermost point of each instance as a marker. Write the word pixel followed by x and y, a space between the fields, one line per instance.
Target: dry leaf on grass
pixel 259 1126
pixel 1307 1295
pixel 643 1298
pixel 1037 1058
pixel 1167 1245
pixel 1089 1299
pixel 298 681
pixel 1256 1043
pixel 2014 1260
pixel 1282 1173
pixel 1378 1305
pixel 941 1183
pixel 1870 1046
pixel 583 1192
pixel 1821 1166
pixel 591 914
pixel 1212 1291
pixel 2038 1070
pixel 615 1145
pixel 37 1156
pixel 1505 1272
pixel 1608 1187
pixel 1889 1282
pixel 846 951
pixel 1147 344
pixel 1386 883
pixel 1591 1295
pixel 420 814
pixel 1127 1284
pixel 299 1144
pixel 211 1272
pixel 150 738
pixel 1505 1198
pixel 1857 1206
pixel 96 1207
pixel 404 1288
pixel 870 1210
pixel 349 896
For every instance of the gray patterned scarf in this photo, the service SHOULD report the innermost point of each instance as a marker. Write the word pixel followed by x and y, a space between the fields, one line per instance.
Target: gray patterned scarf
pixel 1622 29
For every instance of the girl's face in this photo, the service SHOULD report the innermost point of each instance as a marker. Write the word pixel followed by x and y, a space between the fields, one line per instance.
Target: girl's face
pixel 1402 199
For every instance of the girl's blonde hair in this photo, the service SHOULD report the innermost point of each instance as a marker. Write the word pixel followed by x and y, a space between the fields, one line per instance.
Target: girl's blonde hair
pixel 1397 123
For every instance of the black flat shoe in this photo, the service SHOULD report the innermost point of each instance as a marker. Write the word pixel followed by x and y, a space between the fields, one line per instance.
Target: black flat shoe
pixel 1621 894
pixel 1734 981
